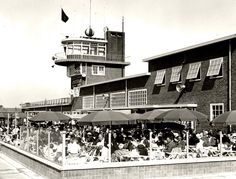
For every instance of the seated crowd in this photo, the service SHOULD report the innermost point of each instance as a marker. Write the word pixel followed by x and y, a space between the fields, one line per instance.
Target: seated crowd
pixel 91 143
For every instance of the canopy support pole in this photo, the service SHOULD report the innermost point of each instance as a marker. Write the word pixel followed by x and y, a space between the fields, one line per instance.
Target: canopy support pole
pixel 220 143
pixel 37 144
pixel 187 144
pixel 63 148
pixel 150 141
pixel 109 139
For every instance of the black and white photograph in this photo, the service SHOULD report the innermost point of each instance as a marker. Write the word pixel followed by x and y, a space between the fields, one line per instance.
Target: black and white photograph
pixel 118 89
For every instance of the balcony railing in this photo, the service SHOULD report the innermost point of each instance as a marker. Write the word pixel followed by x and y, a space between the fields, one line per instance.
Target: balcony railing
pixel 86 56
pixel 51 102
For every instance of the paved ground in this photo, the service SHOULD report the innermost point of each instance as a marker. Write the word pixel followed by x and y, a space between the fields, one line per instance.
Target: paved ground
pixel 210 176
pixel 9 169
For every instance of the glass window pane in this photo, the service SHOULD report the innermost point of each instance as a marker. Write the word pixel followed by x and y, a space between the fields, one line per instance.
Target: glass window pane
pixel 193 70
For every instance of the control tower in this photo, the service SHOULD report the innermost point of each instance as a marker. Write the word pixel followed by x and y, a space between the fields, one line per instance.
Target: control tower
pixel 89 60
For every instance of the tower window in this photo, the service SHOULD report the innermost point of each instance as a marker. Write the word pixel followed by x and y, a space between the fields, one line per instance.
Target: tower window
pixel 98 70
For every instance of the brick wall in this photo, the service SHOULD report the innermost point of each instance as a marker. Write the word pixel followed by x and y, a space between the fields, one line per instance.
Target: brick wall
pixel 201 92
pixel 111 72
pixel 233 74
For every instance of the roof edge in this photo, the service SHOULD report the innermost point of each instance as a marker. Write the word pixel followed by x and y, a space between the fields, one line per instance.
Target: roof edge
pixel 117 79
pixel 190 47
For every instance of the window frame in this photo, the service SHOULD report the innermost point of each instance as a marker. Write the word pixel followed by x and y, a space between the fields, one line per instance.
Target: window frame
pixel 101 101
pixel 211 109
pixel 133 91
pixel 99 72
pixel 220 74
pixel 163 73
pixel 198 78
pixel 91 106
pixel 113 102
pixel 179 72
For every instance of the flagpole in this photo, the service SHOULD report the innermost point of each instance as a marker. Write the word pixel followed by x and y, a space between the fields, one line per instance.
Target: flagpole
pixel 90 14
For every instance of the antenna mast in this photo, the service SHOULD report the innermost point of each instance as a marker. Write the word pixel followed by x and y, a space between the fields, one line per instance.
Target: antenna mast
pixel 90 14
pixel 89 31
pixel 123 24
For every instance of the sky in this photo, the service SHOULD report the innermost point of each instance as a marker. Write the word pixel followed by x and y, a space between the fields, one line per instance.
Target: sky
pixel 31 32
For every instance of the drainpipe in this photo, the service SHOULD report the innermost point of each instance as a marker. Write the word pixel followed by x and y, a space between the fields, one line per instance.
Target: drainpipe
pixel 126 94
pixel 94 97
pixel 230 92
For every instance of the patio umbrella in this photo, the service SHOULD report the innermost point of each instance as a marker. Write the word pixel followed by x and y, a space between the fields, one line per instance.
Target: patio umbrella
pixel 50 116
pixel 2 115
pixel 19 115
pixel 106 118
pixel 150 116
pixel 181 115
pixel 134 115
pixel 228 118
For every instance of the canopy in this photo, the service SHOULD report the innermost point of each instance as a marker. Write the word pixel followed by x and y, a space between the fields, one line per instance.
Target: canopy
pixel 50 116
pixel 106 118
pixel 181 115
pixel 134 115
pixel 2 115
pixel 228 118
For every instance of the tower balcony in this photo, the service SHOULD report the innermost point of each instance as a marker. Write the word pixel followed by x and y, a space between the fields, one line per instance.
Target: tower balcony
pixel 65 60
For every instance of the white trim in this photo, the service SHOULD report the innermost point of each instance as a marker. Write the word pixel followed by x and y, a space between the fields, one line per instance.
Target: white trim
pixel 104 100
pixel 86 97
pixel 176 74
pixel 211 109
pixel 215 72
pixel 160 77
pixel 111 97
pixel 99 71
pixel 190 47
pixel 194 67
pixel 132 91
pixel 79 39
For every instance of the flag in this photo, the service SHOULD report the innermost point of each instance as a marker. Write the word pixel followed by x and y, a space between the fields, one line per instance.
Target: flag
pixel 64 17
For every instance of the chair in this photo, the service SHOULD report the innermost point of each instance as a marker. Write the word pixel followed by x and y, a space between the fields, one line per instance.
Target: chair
pixel 176 153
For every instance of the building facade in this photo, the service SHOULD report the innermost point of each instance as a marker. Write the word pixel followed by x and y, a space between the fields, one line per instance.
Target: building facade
pixel 200 77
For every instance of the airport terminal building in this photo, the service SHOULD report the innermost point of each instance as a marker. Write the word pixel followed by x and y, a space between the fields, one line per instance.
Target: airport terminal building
pixel 200 77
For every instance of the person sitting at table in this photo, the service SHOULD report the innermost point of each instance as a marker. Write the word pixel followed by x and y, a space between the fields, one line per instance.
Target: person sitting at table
pixel 121 154
pixel 169 144
pixel 225 146
pixel 73 148
pixel 209 139
pixel 193 139
pixel 159 140
pixel 114 142
pixel 180 142
pixel 144 140
pixel 128 142
pixel 102 149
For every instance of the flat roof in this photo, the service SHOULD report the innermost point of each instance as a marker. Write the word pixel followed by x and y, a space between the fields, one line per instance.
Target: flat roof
pixel 117 79
pixel 190 47
pixel 80 39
